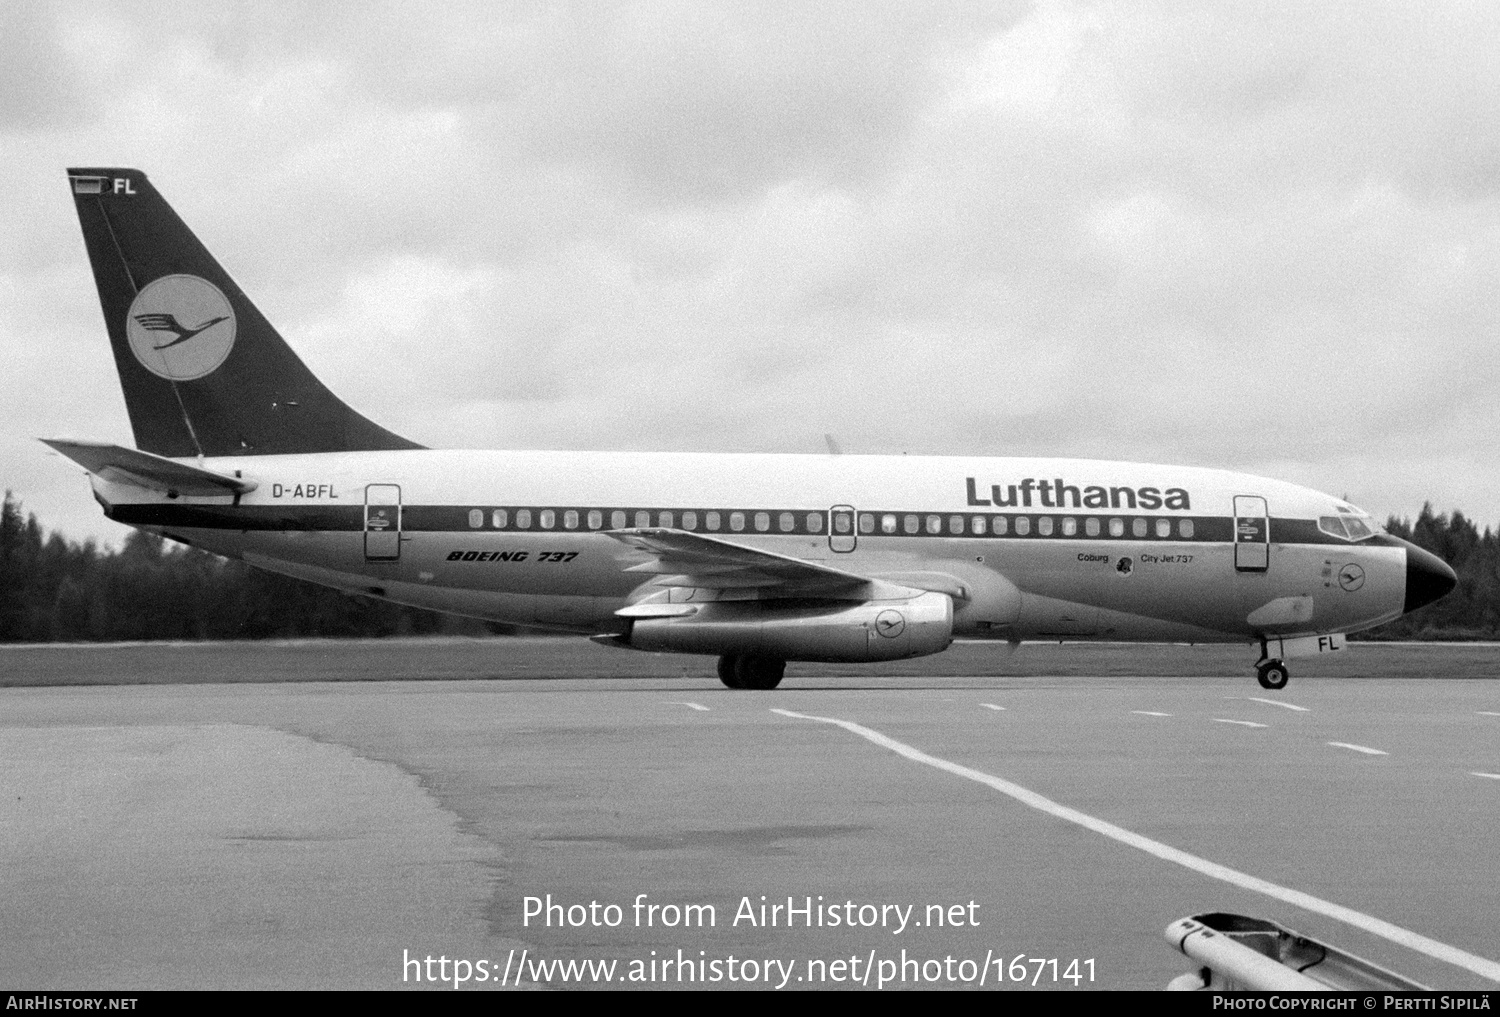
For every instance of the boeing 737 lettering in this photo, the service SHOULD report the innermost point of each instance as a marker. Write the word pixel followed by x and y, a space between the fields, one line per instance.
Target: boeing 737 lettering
pixel 756 559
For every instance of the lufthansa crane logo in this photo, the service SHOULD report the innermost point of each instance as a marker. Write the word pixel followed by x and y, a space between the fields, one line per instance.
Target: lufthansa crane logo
pixel 1351 577
pixel 890 624
pixel 180 327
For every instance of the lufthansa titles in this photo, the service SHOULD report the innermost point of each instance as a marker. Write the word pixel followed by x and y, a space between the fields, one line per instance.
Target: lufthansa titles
pixel 1056 493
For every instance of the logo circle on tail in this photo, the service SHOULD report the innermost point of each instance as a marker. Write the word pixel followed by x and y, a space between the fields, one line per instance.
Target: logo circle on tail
pixel 180 327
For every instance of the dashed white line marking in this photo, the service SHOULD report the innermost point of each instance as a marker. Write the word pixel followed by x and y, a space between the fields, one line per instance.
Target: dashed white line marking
pixel 683 702
pixel 991 706
pixel 1395 933
pixel 1277 702
pixel 1359 748
pixel 1487 713
pixel 1150 713
pixel 1491 776
pixel 1242 723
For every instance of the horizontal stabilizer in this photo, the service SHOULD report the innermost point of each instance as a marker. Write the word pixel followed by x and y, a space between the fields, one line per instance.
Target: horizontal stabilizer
pixel 157 473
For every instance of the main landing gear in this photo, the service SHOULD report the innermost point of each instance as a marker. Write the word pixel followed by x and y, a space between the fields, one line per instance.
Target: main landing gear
pixel 1272 674
pixel 748 671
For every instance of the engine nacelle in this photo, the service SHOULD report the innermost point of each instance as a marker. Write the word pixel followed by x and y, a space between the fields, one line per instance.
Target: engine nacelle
pixel 805 629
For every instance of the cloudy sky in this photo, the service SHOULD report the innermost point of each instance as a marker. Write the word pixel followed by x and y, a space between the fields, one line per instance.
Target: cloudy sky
pixel 1261 237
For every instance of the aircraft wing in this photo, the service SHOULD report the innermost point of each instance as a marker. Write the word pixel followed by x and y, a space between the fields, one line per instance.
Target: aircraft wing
pixel 695 560
pixel 143 469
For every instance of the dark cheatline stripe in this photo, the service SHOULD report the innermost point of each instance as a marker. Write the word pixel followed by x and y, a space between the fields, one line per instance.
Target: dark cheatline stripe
pixel 456 519
pixel 244 517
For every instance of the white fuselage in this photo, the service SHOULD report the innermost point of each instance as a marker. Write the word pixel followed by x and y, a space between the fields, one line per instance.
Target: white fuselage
pixel 1034 548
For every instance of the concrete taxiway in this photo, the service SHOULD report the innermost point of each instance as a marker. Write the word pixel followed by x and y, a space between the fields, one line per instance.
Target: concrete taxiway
pixel 319 834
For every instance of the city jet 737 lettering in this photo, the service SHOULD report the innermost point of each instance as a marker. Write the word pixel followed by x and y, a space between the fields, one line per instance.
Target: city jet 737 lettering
pixel 757 559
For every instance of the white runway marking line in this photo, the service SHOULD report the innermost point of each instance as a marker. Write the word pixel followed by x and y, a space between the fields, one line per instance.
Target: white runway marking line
pixel 991 706
pixel 1150 713
pixel 683 702
pixel 1487 713
pixel 1242 723
pixel 1277 702
pixel 1359 748
pixel 1491 776
pixel 1395 933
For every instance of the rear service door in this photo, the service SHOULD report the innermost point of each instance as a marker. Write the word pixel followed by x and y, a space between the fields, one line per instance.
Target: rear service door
pixel 1252 534
pixel 382 522
pixel 842 536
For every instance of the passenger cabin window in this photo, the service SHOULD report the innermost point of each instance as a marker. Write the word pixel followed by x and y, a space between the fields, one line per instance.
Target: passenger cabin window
pixel 476 518
pixel 1044 526
pixel 570 519
pixel 1138 527
pixel 1117 527
pixel 596 519
pixel 842 523
pixel 736 521
pixel 934 524
pixel 690 520
pixel 711 520
pixel 866 523
pixel 977 525
pixel 499 518
pixel 1091 526
pixel 1002 526
pixel 617 519
pixel 888 523
pixel 1164 527
pixel 548 519
pixel 762 522
pixel 815 522
pixel 523 519
pixel 787 522
pixel 910 524
pixel 955 524
pixel 664 520
pixel 1023 525
pixel 1185 529
pixel 643 518
pixel 1069 526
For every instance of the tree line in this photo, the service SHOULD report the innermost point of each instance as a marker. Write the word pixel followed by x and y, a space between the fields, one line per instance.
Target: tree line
pixel 55 589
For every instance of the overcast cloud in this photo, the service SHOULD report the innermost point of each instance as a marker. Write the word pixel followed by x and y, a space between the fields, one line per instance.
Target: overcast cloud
pixel 1262 237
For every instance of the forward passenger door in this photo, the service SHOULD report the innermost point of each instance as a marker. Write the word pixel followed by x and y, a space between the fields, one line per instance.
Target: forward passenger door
pixel 1252 534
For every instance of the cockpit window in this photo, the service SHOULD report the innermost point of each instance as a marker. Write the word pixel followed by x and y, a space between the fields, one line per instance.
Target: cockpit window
pixel 1333 526
pixel 1358 528
pixel 1350 524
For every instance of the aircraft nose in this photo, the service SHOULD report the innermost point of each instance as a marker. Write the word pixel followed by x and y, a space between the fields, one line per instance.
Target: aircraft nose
pixel 1428 577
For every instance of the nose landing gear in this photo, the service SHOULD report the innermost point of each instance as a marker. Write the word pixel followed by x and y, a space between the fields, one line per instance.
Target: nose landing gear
pixel 1272 674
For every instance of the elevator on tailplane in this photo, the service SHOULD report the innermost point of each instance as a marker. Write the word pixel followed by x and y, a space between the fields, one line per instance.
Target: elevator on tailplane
pixel 756 559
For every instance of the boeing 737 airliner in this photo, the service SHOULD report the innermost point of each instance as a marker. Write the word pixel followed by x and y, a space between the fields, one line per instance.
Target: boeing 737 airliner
pixel 758 559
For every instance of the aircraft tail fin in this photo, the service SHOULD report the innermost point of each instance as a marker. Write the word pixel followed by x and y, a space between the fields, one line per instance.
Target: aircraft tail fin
pixel 204 373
